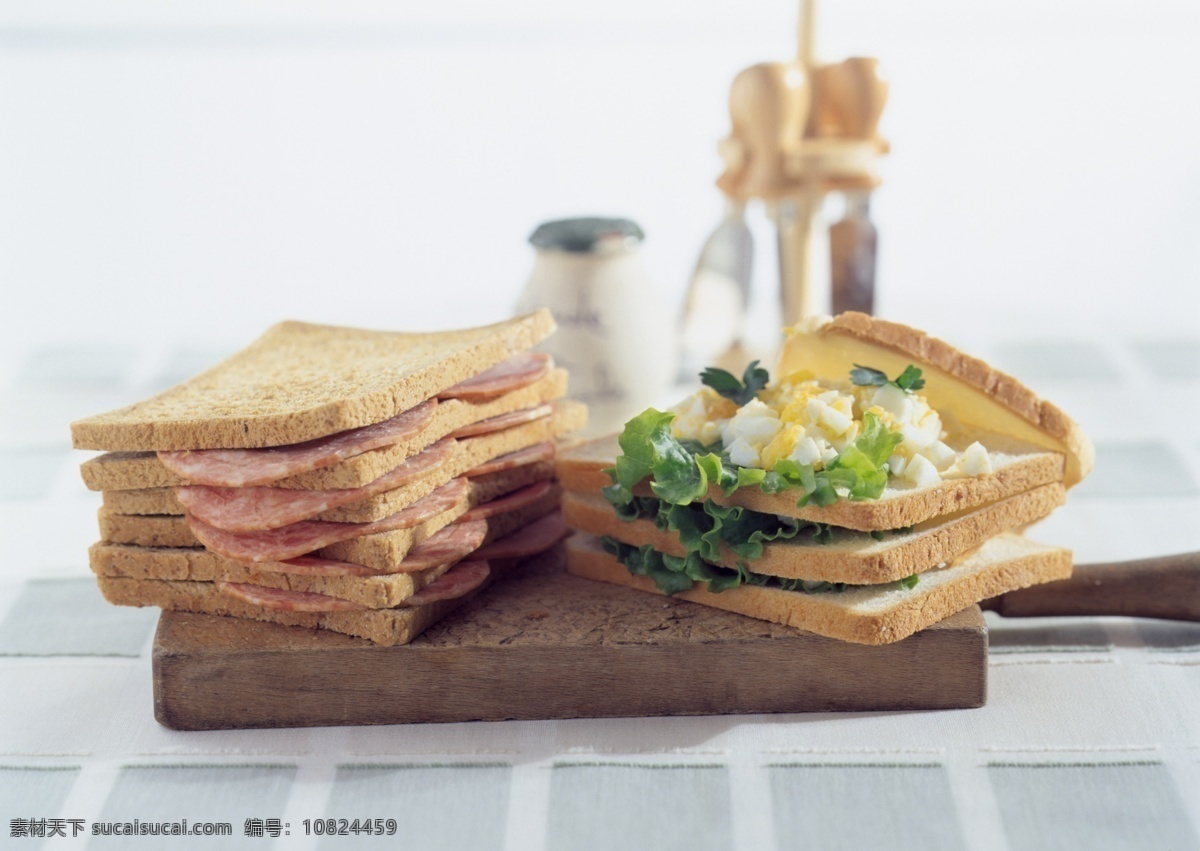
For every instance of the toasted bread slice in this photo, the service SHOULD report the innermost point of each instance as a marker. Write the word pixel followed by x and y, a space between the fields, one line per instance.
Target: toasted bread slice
pixel 388 627
pixel 382 551
pixel 119 471
pixel 469 453
pixel 194 564
pixel 866 614
pixel 582 469
pixel 299 382
pixel 852 557
pixel 965 390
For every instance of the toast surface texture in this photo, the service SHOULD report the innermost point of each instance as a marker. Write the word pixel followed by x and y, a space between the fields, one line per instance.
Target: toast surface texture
pixel 965 387
pixel 866 615
pixel 300 381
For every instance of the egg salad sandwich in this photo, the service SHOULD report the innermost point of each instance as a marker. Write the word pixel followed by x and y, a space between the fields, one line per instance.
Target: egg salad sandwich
pixel 870 486
pixel 364 482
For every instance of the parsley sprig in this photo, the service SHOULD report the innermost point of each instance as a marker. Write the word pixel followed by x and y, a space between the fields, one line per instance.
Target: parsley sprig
pixel 909 381
pixel 754 379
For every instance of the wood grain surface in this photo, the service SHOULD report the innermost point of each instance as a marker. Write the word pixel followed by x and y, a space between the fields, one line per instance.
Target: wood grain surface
pixel 543 644
pixel 1166 587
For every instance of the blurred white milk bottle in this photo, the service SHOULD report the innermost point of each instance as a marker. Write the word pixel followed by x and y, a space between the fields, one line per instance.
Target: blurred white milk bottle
pixel 615 335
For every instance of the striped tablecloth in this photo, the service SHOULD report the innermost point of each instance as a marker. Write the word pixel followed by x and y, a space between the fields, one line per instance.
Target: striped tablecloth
pixel 1090 739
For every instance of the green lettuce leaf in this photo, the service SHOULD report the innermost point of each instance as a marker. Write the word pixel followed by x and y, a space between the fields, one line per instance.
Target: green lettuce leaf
pixel 720 472
pixel 672 574
pixel 649 450
pixel 861 469
pixel 745 531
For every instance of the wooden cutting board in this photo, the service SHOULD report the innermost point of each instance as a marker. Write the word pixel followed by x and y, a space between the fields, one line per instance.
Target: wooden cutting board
pixel 543 644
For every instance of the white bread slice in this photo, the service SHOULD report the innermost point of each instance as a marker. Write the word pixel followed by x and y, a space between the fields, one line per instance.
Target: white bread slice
pixel 116 471
pixel 852 557
pixel 299 381
pixel 469 453
pixel 582 469
pixel 864 615
pixel 382 551
pixel 193 564
pixel 962 388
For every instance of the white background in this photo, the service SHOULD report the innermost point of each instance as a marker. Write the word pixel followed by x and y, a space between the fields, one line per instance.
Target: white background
pixel 196 172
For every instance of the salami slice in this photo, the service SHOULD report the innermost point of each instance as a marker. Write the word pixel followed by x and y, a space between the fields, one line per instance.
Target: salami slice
pixel 442 499
pixel 237 468
pixel 520 458
pixel 521 370
pixel 461 579
pixel 288 601
pixel 537 537
pixel 525 415
pixel 510 502
pixel 301 538
pixel 252 509
pixel 454 543
pixel 317 566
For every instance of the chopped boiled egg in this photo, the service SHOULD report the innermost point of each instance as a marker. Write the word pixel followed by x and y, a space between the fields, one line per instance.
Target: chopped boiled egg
pixel 701 416
pixel 750 430
pixel 921 473
pixel 895 401
pixel 972 461
pixel 811 422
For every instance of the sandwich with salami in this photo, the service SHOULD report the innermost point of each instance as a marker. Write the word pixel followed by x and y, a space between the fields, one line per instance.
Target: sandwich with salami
pixel 364 482
pixel 872 484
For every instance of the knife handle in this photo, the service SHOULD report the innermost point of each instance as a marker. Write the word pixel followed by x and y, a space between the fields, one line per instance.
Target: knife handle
pixel 1167 587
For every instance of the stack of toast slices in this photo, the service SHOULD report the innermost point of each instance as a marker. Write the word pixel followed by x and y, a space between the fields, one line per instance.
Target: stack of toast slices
pixel 363 482
pixel 873 571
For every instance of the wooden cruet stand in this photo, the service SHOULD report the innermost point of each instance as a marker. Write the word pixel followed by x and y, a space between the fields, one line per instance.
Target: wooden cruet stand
pixel 801 130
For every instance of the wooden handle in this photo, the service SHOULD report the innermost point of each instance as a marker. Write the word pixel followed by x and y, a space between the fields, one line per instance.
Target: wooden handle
pixel 1167 587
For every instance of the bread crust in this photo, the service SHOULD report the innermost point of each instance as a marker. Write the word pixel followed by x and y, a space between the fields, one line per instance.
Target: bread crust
pixel 1003 564
pixel 300 381
pixel 851 557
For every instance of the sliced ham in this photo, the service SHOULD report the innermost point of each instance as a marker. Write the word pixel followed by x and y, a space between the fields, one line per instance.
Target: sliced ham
pixel 451 544
pixel 536 537
pixel 461 579
pixel 510 502
pixel 529 455
pixel 298 539
pixel 237 468
pixel 521 370
pixel 288 601
pixel 252 509
pixel 317 566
